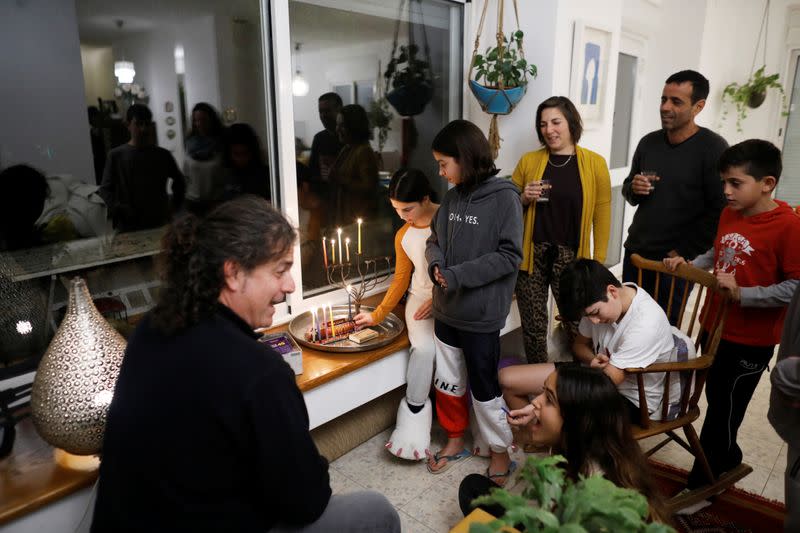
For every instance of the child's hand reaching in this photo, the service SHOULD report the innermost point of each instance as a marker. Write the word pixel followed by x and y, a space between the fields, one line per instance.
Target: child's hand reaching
pixel 600 361
pixel 672 262
pixel 437 275
pixel 364 319
pixel 520 417
pixel 727 282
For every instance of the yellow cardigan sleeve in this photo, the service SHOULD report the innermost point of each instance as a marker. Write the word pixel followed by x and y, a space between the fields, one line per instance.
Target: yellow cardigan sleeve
pixel 601 222
pixel 402 277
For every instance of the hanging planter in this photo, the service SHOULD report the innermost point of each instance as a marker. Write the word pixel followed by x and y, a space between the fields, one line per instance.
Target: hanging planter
pixel 503 70
pixel 408 76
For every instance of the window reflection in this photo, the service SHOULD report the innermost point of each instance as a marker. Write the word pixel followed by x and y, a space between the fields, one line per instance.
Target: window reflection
pixel 350 139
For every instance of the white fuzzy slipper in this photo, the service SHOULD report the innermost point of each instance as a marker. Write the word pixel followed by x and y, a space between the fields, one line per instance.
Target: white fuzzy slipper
pixel 411 438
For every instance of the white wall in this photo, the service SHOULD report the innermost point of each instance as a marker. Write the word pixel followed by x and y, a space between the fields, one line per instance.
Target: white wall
pixel 42 100
pixel 98 73
pixel 198 37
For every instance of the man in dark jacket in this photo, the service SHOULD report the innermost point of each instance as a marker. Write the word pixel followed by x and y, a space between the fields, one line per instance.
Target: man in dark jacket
pixel 207 430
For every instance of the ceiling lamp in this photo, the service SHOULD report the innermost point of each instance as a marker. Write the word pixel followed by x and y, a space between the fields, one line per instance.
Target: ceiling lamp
pixel 123 70
pixel 299 84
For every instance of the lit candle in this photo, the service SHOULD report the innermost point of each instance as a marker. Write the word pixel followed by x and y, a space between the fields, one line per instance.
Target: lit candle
pixel 324 253
pixel 349 309
pixel 333 328
pixel 313 324
pixel 339 234
pixel 333 251
pixel 347 248
pixel 359 235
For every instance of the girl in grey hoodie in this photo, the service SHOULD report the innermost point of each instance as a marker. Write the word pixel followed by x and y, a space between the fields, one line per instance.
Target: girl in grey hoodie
pixel 473 254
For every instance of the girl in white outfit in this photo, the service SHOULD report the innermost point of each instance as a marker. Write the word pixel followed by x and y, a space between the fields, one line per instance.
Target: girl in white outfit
pixel 410 194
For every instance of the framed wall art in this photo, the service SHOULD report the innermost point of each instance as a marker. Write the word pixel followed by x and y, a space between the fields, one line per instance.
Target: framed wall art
pixel 591 56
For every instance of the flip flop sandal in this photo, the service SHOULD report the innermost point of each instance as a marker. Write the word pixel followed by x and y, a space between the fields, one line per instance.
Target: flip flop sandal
pixel 450 460
pixel 507 474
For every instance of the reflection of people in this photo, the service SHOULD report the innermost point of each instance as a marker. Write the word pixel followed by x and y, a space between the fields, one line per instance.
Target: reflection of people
pixel 678 213
pixel 98 142
pixel 326 145
pixel 247 172
pixel 355 172
pixel 135 179
pixel 24 191
pixel 473 255
pixel 756 258
pixel 784 409
pixel 580 415
pixel 622 327
pixel 203 166
pixel 251 464
pixel 410 194
pixel 575 222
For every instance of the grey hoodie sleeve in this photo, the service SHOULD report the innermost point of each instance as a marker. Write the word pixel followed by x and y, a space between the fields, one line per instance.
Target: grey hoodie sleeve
pixel 501 262
pixel 776 295
pixel 433 252
pixel 705 260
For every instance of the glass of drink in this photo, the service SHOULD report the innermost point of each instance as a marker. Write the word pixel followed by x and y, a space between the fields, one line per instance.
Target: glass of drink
pixel 651 176
pixel 544 196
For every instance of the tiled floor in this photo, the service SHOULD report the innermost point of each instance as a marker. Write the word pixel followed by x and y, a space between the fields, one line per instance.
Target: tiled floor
pixel 429 503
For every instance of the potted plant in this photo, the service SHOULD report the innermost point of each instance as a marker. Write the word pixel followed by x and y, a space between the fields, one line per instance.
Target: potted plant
pixel 411 81
pixel 551 502
pixel 380 117
pixel 750 94
pixel 502 66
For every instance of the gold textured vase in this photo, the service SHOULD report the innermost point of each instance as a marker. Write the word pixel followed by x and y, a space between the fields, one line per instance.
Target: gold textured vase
pixel 76 376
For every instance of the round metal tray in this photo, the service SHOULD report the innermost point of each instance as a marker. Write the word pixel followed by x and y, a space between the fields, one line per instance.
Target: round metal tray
pixel 389 329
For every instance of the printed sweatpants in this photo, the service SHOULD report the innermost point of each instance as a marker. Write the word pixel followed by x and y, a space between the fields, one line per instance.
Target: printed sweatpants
pixel 467 357
pixel 422 353
pixel 731 381
pixel 549 261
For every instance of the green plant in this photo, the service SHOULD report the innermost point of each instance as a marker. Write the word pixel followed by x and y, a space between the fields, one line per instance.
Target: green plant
pixel 552 503
pixel 750 94
pixel 504 64
pixel 406 69
pixel 380 117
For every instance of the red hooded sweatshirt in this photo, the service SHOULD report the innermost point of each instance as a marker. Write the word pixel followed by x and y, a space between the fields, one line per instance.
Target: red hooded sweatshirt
pixel 760 250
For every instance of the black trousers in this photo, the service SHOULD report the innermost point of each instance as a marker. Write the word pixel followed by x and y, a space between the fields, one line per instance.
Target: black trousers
pixel 630 274
pixel 481 355
pixel 731 382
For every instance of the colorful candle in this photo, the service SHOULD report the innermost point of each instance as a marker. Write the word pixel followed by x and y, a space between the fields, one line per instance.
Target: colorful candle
pixel 359 235
pixel 324 252
pixel 333 252
pixel 347 247
pixel 339 234
pixel 313 324
pixel 333 328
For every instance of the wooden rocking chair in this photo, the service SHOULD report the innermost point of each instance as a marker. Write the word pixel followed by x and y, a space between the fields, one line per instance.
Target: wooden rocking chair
pixel 692 375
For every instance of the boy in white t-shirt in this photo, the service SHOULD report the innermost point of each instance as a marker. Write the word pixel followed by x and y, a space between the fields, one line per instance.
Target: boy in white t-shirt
pixel 621 326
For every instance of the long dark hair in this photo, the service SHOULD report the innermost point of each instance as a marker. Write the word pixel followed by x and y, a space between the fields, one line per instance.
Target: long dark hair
pixel 596 433
pixel 466 143
pixel 410 185
pixel 356 123
pixel 217 129
pixel 246 230
pixel 243 134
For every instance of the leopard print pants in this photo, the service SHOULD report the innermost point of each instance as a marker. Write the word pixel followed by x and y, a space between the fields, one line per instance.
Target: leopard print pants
pixel 549 261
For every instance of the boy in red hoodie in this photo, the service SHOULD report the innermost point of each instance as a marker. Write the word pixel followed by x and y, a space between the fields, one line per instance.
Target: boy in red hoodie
pixel 756 257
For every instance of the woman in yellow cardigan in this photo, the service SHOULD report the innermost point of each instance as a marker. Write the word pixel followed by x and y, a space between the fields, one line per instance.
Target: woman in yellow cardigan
pixel 558 228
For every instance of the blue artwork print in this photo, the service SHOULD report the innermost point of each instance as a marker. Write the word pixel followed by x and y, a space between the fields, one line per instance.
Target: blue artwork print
pixel 591 74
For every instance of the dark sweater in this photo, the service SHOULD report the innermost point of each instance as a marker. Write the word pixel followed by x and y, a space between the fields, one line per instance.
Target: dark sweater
pixel 683 210
pixel 207 431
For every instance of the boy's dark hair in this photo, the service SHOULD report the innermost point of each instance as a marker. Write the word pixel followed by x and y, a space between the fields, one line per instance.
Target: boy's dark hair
pixel 466 143
pixel 140 112
pixel 583 283
pixel 759 158
pixel 356 122
pixel 334 98
pixel 699 83
pixel 570 112
pixel 410 185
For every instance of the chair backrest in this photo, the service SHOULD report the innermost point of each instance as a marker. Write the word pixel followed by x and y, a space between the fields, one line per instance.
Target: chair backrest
pixel 704 331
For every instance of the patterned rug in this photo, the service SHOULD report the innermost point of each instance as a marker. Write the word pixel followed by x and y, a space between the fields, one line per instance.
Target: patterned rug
pixel 734 511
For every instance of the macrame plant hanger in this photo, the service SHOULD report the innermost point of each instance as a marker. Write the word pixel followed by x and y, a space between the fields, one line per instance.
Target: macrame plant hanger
pixel 494 132
pixel 420 93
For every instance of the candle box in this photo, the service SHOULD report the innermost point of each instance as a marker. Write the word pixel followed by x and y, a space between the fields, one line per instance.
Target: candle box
pixel 285 345
pixel 364 335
